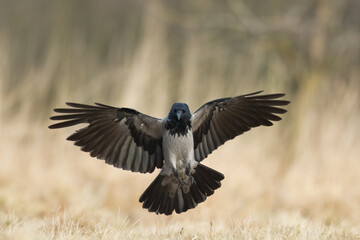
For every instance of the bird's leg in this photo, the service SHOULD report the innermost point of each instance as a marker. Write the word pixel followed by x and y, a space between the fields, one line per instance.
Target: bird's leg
pixel 183 179
pixel 175 172
pixel 187 169
pixel 192 180
pixel 176 175
pixel 187 172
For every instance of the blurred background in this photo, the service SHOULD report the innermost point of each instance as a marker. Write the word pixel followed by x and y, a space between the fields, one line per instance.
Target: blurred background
pixel 147 55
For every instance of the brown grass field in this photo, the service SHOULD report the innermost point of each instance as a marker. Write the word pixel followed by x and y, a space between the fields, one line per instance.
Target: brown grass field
pixel 299 179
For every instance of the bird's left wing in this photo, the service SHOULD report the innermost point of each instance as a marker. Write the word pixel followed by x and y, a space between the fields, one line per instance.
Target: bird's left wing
pixel 123 137
pixel 223 119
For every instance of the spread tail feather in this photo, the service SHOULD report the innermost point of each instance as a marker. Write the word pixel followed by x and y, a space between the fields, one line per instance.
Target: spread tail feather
pixel 156 197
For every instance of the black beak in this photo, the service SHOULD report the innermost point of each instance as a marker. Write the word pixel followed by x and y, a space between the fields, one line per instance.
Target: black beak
pixel 178 114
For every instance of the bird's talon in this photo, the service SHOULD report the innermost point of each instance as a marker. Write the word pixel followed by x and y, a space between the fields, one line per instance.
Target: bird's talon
pixel 192 180
pixel 175 173
pixel 187 170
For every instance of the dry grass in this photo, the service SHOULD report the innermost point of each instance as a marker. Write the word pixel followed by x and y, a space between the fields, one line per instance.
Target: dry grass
pixel 85 227
pixel 50 189
pixel 296 180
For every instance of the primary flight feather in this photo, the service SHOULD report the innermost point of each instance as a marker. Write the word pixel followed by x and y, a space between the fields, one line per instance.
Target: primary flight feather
pixel 128 139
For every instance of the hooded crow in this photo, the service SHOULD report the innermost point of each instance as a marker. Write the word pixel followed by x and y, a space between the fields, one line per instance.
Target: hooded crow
pixel 128 139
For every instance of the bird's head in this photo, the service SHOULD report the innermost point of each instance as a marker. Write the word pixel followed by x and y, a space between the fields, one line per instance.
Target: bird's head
pixel 180 112
pixel 179 119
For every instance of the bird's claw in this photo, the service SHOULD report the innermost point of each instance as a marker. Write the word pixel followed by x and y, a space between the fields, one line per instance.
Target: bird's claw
pixel 192 180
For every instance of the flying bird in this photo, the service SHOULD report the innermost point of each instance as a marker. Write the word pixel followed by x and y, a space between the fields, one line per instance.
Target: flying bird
pixel 128 139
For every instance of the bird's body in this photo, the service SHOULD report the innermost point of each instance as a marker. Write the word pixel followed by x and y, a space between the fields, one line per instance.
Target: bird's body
pixel 128 139
pixel 178 152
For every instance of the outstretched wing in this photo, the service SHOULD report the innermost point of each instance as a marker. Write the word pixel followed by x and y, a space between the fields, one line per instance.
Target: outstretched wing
pixel 223 119
pixel 123 137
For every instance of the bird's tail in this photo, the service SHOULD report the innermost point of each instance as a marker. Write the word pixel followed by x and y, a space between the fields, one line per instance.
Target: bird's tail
pixel 156 197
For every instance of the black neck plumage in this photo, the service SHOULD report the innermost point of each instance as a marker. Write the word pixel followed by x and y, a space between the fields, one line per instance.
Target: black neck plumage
pixel 179 128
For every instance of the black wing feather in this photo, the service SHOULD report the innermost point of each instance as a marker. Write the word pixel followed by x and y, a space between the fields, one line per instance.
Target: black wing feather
pixel 122 137
pixel 223 119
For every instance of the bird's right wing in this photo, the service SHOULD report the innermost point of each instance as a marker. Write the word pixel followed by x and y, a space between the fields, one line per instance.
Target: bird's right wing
pixel 223 119
pixel 123 137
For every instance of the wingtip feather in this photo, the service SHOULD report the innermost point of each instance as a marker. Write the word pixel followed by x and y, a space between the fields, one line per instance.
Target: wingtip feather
pixel 253 93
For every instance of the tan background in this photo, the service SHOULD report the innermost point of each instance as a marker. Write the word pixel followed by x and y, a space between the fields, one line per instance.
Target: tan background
pixel 297 179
